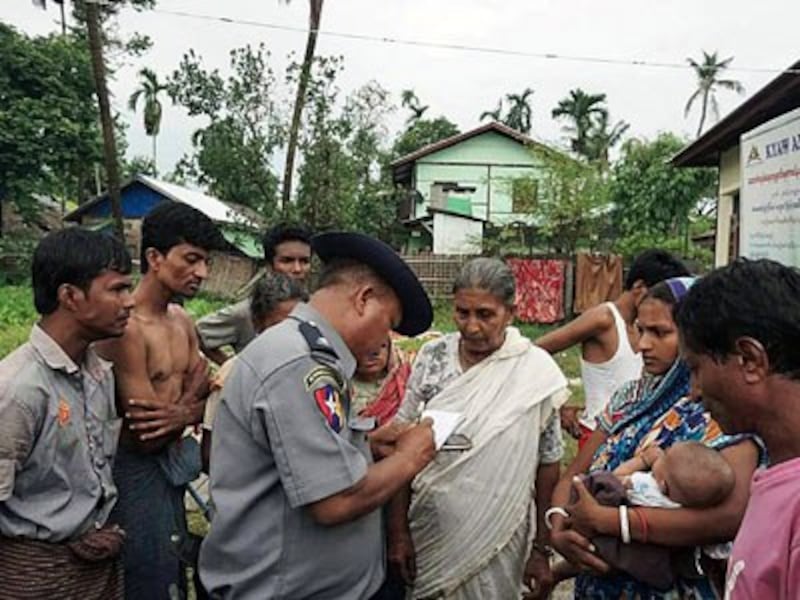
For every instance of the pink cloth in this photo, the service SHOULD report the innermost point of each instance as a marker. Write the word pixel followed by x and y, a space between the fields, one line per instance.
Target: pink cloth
pixel 540 289
pixel 765 561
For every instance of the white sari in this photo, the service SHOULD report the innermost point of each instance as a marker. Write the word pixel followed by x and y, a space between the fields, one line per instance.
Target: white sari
pixel 469 511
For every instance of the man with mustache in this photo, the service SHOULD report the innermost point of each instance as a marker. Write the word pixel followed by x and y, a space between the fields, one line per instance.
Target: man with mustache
pixel 162 383
pixel 59 426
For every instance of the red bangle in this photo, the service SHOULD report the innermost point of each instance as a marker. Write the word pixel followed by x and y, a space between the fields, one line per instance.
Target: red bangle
pixel 642 521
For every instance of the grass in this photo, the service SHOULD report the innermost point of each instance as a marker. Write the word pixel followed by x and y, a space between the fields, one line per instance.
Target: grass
pixel 17 314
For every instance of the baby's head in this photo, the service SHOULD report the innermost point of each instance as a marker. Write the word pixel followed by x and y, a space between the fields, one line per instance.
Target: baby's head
pixel 694 475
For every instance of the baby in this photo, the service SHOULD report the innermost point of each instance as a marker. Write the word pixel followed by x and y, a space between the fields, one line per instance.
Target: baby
pixel 687 474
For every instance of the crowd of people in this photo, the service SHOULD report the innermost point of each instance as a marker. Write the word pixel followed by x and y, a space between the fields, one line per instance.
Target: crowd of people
pixel 319 432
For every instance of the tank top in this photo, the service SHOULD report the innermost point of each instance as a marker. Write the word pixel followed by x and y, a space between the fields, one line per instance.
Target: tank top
pixel 600 380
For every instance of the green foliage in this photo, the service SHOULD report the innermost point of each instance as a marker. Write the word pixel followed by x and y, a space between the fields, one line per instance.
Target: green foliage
pixel 233 155
pixel 49 135
pixel 16 316
pixel 16 253
pixel 650 196
pixel 572 200
pixel 138 165
pixel 422 133
pixel 580 109
pixel 588 123
pixel 519 115
pixel 341 182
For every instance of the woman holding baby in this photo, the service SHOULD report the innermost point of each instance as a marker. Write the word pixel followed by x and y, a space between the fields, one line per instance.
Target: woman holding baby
pixel 644 419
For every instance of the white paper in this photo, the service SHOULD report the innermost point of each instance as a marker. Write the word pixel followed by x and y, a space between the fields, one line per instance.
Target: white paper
pixel 445 422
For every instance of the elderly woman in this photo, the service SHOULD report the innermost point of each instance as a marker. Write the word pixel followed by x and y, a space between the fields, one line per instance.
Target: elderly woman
pixel 465 533
pixel 656 410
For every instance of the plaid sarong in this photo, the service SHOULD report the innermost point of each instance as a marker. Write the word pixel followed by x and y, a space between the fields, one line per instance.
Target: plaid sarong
pixel 33 570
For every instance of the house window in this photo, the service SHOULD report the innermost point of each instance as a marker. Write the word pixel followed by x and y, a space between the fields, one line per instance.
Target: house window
pixel 524 195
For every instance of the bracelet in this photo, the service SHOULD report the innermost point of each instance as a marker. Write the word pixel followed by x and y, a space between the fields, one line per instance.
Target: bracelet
pixel 642 521
pixel 624 525
pixel 554 510
pixel 543 549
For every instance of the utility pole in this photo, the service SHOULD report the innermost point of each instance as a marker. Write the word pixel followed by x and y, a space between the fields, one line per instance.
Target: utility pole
pixel 109 143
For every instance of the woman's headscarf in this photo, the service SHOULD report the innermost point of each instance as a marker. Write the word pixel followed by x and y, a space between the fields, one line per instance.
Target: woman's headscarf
pixel 637 405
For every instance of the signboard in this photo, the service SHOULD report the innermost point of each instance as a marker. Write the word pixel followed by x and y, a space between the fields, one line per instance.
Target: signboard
pixel 770 193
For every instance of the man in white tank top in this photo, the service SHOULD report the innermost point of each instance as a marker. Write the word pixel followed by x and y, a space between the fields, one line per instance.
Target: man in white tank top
pixel 607 337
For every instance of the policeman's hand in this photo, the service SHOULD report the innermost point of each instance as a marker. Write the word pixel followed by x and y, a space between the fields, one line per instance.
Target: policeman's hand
pixel 151 419
pixel 384 439
pixel 401 556
pixel 416 443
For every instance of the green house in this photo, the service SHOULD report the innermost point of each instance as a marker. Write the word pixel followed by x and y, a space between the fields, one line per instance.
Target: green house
pixel 474 174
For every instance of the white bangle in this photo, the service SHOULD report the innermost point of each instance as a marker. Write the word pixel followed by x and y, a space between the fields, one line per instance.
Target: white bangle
pixel 624 525
pixel 554 510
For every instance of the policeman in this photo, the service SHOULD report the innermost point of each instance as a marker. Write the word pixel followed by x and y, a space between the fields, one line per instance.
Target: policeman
pixel 296 491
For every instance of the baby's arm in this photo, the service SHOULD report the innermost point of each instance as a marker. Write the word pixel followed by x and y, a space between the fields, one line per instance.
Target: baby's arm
pixel 643 461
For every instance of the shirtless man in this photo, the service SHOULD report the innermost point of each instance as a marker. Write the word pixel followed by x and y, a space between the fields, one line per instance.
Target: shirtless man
pixel 607 336
pixel 161 387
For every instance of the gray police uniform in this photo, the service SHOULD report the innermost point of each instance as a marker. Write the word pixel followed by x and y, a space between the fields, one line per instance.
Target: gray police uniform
pixel 283 440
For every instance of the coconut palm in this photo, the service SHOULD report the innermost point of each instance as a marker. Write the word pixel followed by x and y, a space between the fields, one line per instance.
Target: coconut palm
pixel 519 115
pixel 580 108
pixel 149 90
pixel 601 138
pixel 409 100
pixel 494 115
pixel 314 19
pixel 708 81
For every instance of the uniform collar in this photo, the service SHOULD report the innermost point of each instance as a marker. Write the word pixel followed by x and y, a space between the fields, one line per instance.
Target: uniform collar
pixel 58 360
pixel 308 313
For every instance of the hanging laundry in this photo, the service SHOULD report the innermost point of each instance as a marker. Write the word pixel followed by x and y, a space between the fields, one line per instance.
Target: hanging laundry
pixel 598 278
pixel 540 289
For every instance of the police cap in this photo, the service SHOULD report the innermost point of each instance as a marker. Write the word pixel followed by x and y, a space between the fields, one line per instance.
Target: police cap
pixel 381 258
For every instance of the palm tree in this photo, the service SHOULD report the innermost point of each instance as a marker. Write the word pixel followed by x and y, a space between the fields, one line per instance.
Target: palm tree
pixel 580 107
pixel 149 89
pixel 409 100
pixel 314 18
pixel 601 139
pixel 494 115
pixel 519 114
pixel 708 72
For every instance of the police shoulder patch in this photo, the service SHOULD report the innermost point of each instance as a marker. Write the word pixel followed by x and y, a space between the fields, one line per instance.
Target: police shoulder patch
pixel 326 386
pixel 322 373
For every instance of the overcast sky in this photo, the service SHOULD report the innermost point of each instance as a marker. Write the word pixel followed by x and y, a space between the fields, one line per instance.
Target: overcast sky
pixel 461 84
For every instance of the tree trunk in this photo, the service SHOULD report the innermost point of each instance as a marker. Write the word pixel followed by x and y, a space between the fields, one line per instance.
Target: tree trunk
pixel 155 157
pixel 315 8
pixel 703 111
pixel 63 18
pixel 109 144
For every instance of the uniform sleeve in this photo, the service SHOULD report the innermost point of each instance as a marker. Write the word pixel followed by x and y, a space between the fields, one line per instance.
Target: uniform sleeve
pixel 17 434
pixel 302 410
pixel 551 446
pixel 224 327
